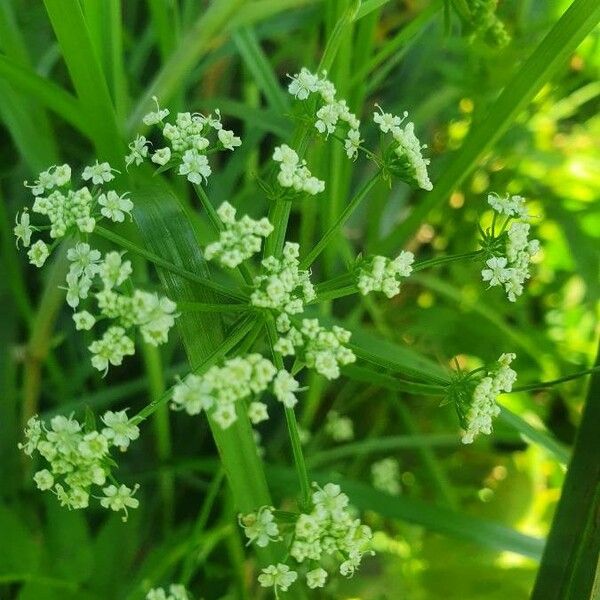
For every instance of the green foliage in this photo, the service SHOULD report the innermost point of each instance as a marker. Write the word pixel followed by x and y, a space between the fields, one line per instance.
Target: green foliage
pixel 506 94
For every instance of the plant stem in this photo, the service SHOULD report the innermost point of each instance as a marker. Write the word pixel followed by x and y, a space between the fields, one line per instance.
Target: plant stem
pixel 339 222
pixel 546 384
pixel 434 262
pixel 168 266
pixel 292 425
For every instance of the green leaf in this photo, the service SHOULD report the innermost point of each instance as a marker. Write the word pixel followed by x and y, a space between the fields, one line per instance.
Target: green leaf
pixel 68 544
pixel 46 92
pixel 22 554
pixel 167 232
pixel 258 64
pixel 534 435
pixel 548 57
pixel 570 567
pixel 87 77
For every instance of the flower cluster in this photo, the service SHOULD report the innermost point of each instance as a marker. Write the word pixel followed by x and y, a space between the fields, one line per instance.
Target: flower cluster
pixel 79 458
pixel 385 475
pixel 219 389
pixel 477 411
pixel 486 25
pixel 239 239
pixel 511 270
pixel 381 274
pixel 339 428
pixel 189 140
pixel 319 348
pixel 327 536
pixel 330 111
pixel 293 172
pixel 283 286
pixel 153 315
pixel 67 209
pixel 405 158
pixel 176 592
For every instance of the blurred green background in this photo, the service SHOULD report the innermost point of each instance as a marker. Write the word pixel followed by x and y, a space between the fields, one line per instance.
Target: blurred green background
pixel 411 55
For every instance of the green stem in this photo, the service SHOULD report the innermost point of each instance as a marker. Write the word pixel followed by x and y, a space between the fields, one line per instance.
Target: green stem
pixel 211 213
pixel 162 432
pixel 546 384
pixel 292 425
pixel 168 266
pixel 339 222
pixel 442 260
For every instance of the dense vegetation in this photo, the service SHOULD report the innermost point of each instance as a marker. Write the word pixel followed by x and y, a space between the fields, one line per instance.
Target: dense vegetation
pixel 303 300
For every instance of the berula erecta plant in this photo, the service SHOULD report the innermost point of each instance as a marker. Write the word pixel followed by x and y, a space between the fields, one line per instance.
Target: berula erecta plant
pixel 262 289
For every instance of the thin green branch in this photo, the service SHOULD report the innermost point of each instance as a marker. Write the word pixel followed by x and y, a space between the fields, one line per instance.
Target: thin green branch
pixel 308 260
pixel 165 264
pixel 546 384
pixel 292 425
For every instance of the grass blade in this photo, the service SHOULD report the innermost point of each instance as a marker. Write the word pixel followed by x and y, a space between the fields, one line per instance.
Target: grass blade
pixel 167 232
pixel 86 74
pixel 570 563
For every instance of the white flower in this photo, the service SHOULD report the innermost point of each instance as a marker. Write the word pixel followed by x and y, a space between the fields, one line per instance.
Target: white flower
pixel 114 270
pixel 257 412
pixel 77 288
pixel 194 394
pixel 119 430
pixel 120 498
pixel 477 416
pixel 225 415
pixel 162 156
pixel 153 118
pixel 23 229
pixel 341 429
pixel 294 173
pixel 239 240
pixel 381 274
pixel 279 577
pixel 303 84
pixel 93 445
pixel 195 166
pixel 385 475
pixel 352 143
pixel 387 121
pixel 408 151
pixel 327 118
pixel 99 173
pixel 84 321
pixel 260 527
pixel 512 206
pixel 84 260
pixel 44 479
pixel 38 253
pixel 284 386
pixel 316 578
pixel 111 348
pixel 138 151
pixel 228 139
pixel 496 273
pixel 115 207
